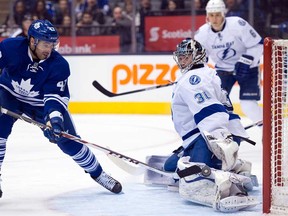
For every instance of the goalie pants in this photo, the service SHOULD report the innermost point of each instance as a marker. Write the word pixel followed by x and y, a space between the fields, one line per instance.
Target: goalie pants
pixel 81 154
pixel 198 152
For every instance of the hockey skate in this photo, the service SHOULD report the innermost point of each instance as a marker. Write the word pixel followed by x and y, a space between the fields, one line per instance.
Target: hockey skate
pixel 108 182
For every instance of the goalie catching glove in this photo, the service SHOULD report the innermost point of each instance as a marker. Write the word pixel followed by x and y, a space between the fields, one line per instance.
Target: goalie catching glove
pixel 223 146
pixel 55 124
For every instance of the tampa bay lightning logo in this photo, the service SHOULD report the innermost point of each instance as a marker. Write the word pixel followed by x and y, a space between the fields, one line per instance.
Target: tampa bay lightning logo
pixel 226 54
pixel 194 80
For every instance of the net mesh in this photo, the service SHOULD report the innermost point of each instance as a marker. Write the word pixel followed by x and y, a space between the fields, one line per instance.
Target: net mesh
pixel 279 127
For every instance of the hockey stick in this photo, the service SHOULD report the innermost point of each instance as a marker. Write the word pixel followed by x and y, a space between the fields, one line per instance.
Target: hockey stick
pixel 193 169
pixel 259 123
pixel 139 171
pixel 104 91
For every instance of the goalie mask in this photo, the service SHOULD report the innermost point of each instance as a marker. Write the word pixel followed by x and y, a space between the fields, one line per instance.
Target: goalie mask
pixel 188 53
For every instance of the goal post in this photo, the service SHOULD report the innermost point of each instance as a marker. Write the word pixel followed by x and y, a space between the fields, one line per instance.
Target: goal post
pixel 275 127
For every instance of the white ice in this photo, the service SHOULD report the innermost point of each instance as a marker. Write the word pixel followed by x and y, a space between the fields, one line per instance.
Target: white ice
pixel 38 179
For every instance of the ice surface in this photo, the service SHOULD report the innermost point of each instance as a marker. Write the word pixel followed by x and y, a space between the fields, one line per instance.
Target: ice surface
pixel 38 179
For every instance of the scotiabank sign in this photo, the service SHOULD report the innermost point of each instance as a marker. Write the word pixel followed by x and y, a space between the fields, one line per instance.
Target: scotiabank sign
pixel 164 33
pixel 88 45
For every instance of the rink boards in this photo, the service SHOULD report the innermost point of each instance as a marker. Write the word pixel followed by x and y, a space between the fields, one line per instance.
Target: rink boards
pixel 122 73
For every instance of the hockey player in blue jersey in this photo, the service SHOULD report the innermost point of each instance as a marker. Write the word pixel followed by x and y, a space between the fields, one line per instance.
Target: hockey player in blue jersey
pixel 34 82
pixel 235 48
pixel 203 117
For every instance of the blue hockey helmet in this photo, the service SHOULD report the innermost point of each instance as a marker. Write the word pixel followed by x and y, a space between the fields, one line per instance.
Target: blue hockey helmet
pixel 43 30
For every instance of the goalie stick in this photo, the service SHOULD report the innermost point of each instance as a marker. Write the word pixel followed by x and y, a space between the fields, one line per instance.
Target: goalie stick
pixel 133 170
pixel 192 170
pixel 104 91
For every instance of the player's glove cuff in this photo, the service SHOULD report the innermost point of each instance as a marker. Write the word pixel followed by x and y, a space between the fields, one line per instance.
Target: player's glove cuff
pixel 246 59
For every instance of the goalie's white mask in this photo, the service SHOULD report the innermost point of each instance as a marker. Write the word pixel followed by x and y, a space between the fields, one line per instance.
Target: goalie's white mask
pixel 188 53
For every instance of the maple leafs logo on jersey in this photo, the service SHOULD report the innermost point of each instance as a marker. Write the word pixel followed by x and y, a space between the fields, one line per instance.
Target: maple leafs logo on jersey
pixel 24 88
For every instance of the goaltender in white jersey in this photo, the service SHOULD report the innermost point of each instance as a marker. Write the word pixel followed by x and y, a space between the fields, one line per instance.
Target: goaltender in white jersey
pixel 203 116
pixel 235 48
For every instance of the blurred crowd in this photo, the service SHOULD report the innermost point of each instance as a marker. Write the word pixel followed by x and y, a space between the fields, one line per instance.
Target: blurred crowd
pixel 110 17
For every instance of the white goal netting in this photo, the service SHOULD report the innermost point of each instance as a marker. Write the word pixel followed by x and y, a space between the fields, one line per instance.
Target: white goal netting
pixel 279 127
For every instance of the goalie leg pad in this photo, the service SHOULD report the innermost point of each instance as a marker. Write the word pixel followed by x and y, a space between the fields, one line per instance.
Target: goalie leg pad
pixel 225 150
pixel 219 190
pixel 196 188
pixel 244 167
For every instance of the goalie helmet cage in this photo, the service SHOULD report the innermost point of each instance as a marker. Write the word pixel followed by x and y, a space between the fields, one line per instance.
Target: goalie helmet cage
pixel 275 127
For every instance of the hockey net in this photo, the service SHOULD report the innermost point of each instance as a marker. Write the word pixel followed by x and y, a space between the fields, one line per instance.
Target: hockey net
pixel 275 127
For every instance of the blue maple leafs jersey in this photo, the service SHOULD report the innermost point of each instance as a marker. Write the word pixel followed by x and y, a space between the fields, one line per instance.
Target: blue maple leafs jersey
pixel 39 84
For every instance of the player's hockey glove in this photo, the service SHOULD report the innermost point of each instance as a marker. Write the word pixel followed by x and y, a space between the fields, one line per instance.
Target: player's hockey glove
pixel 242 67
pixel 55 124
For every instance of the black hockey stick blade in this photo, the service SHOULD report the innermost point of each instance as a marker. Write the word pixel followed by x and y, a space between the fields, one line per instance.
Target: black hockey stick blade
pixel 104 91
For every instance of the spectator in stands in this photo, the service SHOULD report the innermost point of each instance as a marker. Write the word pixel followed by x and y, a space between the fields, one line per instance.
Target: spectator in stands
pixel 23 31
pixel 105 7
pixel 233 9
pixel 122 27
pixel 29 4
pixel 62 8
pixel 19 11
pixel 87 26
pixel 145 9
pixel 96 12
pixel 172 8
pixel 198 5
pixel 276 11
pixel 180 4
pixel 128 12
pixel 65 28
pixel 40 12
pixel 79 9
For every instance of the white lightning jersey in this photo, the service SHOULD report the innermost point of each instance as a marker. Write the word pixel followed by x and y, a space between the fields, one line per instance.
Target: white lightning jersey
pixel 226 47
pixel 198 105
